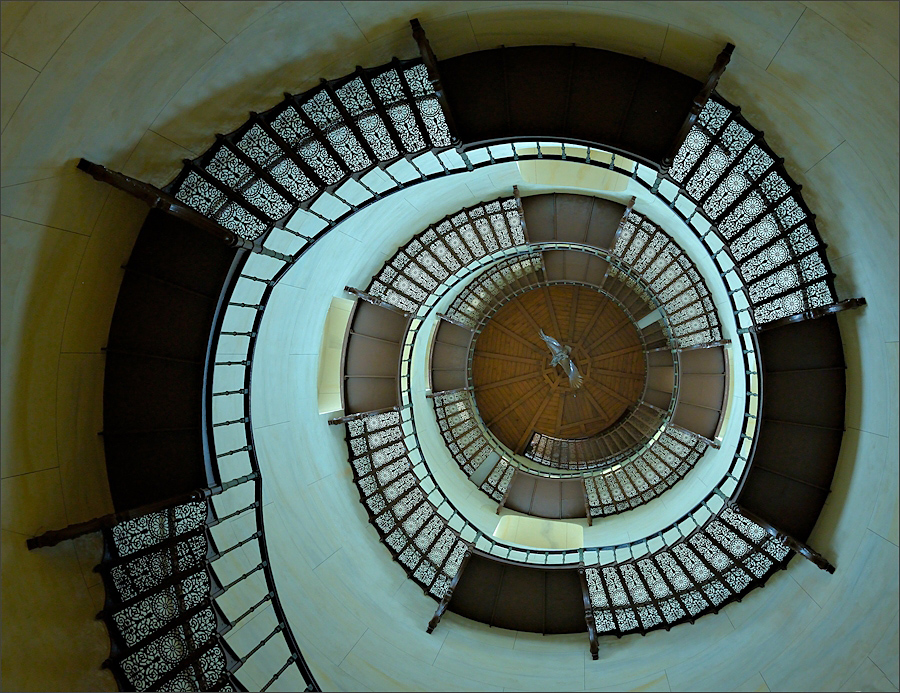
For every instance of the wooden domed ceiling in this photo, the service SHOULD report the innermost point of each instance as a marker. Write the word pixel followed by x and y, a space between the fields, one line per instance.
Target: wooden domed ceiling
pixel 518 391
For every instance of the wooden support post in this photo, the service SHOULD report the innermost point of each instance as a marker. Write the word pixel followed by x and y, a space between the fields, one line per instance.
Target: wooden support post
pixel 158 199
pixel 434 76
pixel 697 106
pixel 795 545
pixel 588 613
pixel 448 595
pixel 55 536
pixel 154 197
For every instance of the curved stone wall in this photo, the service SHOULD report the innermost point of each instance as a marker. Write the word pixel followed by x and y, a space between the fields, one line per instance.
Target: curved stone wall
pixel 138 86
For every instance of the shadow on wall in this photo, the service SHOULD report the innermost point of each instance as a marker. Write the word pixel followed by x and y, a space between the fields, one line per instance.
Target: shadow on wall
pixel 226 109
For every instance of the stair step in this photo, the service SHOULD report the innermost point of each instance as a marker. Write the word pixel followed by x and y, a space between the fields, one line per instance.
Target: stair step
pixel 583 93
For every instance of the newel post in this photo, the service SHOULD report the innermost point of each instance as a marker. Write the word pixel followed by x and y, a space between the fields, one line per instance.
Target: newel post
pixel 697 106
pixel 787 540
pixel 448 595
pixel 434 76
pixel 589 613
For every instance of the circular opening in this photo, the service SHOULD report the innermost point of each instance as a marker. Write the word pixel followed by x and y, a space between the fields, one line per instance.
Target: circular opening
pixel 598 375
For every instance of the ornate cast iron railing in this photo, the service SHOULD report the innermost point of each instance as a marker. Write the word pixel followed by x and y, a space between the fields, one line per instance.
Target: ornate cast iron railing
pixel 725 184
pixel 390 126
pixel 726 168
pixel 673 278
pixel 709 566
pixel 250 293
pixel 493 287
pixel 646 476
pixel 637 426
pixel 284 159
pixel 599 557
pixel 443 248
pixel 707 558
pixel 179 586
pixel 397 494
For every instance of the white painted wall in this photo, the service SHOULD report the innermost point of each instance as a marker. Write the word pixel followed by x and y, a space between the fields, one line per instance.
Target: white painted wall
pixel 139 85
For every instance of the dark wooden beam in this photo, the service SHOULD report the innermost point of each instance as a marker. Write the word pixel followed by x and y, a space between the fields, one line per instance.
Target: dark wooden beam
pixel 55 536
pixel 448 595
pixel 158 199
pixel 697 106
pixel 506 357
pixel 434 76
pixel 511 381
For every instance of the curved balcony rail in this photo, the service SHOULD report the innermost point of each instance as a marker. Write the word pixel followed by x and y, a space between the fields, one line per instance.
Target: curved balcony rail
pixel 497 482
pixel 470 442
pixel 180 589
pixel 673 277
pixel 441 250
pixel 489 290
pixel 243 323
pixel 250 292
pixel 637 426
pixel 712 555
pixel 468 439
pixel 725 184
pixel 670 455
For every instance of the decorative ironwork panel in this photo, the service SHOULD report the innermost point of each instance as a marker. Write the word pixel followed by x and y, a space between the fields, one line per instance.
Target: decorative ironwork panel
pixel 646 476
pixel 672 275
pixel 498 480
pixel 717 563
pixel 415 271
pixel 726 169
pixel 456 418
pixel 418 537
pixel 483 294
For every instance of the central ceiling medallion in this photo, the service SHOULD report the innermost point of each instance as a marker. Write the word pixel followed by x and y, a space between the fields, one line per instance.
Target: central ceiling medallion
pixel 566 361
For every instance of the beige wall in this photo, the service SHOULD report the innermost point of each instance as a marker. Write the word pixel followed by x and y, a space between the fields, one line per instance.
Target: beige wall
pixel 139 85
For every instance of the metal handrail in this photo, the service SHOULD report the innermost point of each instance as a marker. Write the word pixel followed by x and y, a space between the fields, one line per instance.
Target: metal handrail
pixel 739 465
pixel 620 266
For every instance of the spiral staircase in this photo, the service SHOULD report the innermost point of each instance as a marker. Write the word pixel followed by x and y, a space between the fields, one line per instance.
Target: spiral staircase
pixel 179 442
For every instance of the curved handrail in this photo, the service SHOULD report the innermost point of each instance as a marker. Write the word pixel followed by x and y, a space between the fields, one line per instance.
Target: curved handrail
pixel 646 173
pixel 446 286
pixel 634 174
pixel 249 447
pixel 599 556
pixel 497 547
pixel 745 320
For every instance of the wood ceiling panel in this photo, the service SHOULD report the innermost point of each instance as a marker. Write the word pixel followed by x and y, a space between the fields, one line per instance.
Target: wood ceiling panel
pixel 518 392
